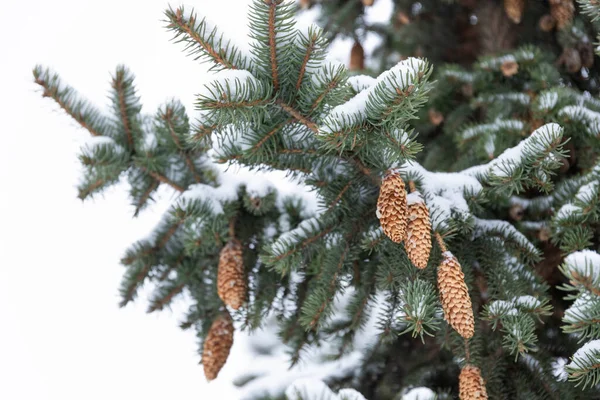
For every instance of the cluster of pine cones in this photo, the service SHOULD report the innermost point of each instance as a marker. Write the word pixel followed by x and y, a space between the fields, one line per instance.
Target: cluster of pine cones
pixel 405 218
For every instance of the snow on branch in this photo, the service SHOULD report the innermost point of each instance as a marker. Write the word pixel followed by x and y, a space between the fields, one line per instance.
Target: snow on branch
pixel 585 364
pixel 445 192
pixel 233 87
pixel 590 119
pixel 380 97
pixel 361 82
pixel 536 155
pixel 314 389
pixel 521 55
pixel 488 227
pixel 500 125
pixel 582 268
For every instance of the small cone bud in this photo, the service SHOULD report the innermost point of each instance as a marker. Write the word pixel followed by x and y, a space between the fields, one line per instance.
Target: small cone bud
pixel 514 10
pixel 562 11
pixel 509 68
pixel 368 3
pixel 217 345
pixel 392 208
pixel 454 296
pixel 572 60
pixel 231 283
pixel 471 385
pixel 403 18
pixel 586 54
pixel 418 240
pixel 357 57
pixel 435 117
pixel 547 23
pixel 516 212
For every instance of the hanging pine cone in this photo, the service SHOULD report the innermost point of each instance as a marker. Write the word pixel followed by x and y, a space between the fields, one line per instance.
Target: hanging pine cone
pixel 509 68
pixel 435 117
pixel 586 54
pixel 217 345
pixel 231 283
pixel 471 385
pixel 357 57
pixel 418 240
pixel 547 23
pixel 562 11
pixel 571 59
pixel 454 296
pixel 514 9
pixel 392 208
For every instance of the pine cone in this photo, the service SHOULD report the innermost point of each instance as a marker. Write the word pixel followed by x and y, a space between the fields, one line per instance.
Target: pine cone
pixel 547 23
pixel 217 345
pixel 514 9
pixel 418 241
pixel 509 68
pixel 586 54
pixel 231 283
pixel 392 208
pixel 454 296
pixel 435 117
pixel 562 11
pixel 357 57
pixel 571 59
pixel 471 385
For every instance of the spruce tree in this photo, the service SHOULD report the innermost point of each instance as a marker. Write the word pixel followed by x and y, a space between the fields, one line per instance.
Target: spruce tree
pixel 453 251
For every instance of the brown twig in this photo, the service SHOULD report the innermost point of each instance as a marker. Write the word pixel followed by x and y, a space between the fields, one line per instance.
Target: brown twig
pixel 118 86
pixel 273 45
pixel 411 186
pixel 297 115
pixel 188 161
pixel 159 304
pixel 440 241
pixel 185 26
pixel 163 179
pixel 77 117
pixel 309 51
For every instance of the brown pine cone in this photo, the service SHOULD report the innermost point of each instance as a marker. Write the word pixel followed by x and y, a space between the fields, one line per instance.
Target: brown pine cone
pixel 586 54
pixel 435 117
pixel 471 385
pixel 357 57
pixel 418 240
pixel 509 68
pixel 562 11
pixel 217 345
pixel 514 9
pixel 454 296
pixel 231 281
pixel 392 208
pixel 547 23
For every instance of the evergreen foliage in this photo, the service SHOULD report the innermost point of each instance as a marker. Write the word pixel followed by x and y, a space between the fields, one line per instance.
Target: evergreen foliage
pixel 505 159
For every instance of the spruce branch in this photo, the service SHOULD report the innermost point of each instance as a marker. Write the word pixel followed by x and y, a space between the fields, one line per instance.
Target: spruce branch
pixel 163 179
pixel 203 42
pixel 80 110
pixel 273 42
pixel 127 107
pixel 167 116
pixel 164 295
pixel 297 115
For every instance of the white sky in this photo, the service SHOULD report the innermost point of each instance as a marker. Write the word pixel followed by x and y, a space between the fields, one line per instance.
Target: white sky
pixel 62 335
